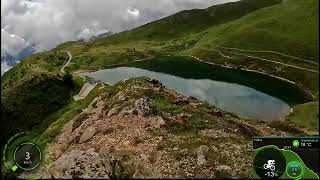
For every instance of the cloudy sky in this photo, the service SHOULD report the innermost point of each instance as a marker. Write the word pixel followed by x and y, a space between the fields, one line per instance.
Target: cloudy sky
pixel 44 24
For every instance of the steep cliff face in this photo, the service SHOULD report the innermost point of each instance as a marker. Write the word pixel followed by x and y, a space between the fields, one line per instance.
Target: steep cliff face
pixel 139 128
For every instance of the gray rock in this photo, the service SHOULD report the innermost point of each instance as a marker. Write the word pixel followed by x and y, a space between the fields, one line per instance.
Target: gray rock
pixel 121 96
pixel 126 111
pixel 224 171
pixel 143 106
pixel 104 150
pixel 88 134
pixel 113 111
pixel 155 82
pixel 83 163
pixel 144 157
pixel 223 168
pixel 201 160
pixel 214 148
pixel 201 153
pixel 160 122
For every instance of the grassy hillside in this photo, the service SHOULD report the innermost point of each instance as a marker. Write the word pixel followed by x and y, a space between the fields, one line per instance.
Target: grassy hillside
pixel 37 97
pixel 166 36
pixel 306 115
pixel 288 27
pixel 34 65
pixel 188 21
pixel 131 131
pixel 26 105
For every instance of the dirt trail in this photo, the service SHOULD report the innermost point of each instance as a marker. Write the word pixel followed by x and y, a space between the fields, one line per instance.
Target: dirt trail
pixel 268 60
pixel 85 90
pixel 226 66
pixel 220 52
pixel 67 63
pixel 272 52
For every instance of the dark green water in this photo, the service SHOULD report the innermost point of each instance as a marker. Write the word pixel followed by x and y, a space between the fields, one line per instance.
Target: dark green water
pixel 245 93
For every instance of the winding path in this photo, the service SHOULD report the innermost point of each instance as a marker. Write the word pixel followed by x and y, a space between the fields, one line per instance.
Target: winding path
pixel 220 52
pixel 67 63
pixel 85 90
pixel 262 59
pixel 275 62
pixel 272 52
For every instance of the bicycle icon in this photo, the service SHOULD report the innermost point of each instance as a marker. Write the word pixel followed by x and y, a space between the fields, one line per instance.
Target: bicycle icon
pixel 270 165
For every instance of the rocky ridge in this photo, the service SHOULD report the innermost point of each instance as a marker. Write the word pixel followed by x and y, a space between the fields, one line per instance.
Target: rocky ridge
pixel 139 128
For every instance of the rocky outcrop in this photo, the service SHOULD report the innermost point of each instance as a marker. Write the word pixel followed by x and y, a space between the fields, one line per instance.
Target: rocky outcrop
pixel 88 134
pixel 113 111
pixel 76 163
pixel 126 111
pixel 160 123
pixel 153 135
pixel 155 82
pixel 143 106
pixel 201 153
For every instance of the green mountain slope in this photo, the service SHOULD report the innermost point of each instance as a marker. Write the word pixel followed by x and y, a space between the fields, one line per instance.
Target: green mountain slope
pixel 274 37
pixel 166 36
pixel 26 105
pixel 306 115
pixel 189 21
pixel 290 27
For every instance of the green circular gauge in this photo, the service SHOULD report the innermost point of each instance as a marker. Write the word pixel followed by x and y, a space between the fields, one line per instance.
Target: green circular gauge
pixel 27 156
pixel 269 163
pixel 294 170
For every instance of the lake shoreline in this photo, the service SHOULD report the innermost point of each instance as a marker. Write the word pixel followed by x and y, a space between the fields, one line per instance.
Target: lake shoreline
pixel 311 96
pixel 204 84
pixel 306 90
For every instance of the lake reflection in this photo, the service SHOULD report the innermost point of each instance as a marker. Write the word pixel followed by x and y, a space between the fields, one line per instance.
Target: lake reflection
pixel 239 99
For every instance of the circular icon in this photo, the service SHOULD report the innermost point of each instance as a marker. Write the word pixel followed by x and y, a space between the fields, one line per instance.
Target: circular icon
pixel 269 163
pixel 294 169
pixel 27 156
pixel 295 143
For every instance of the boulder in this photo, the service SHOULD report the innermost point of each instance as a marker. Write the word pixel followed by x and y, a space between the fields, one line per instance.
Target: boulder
pixel 223 167
pixel 113 111
pixel 126 111
pixel 87 135
pixel 76 163
pixel 218 113
pixel 160 122
pixel 121 96
pixel 195 104
pixel 223 171
pixel 201 153
pixel 182 99
pixel 104 150
pixel 155 82
pixel 181 119
pixel 143 106
pixel 214 148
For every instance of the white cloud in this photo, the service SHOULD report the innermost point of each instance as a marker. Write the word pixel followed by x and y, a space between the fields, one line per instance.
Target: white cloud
pixel 4 67
pixel 11 43
pixel 47 23
pixel 133 12
pixel 93 30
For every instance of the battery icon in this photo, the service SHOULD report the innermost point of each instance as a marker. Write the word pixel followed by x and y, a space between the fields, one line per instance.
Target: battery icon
pixel 14 168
